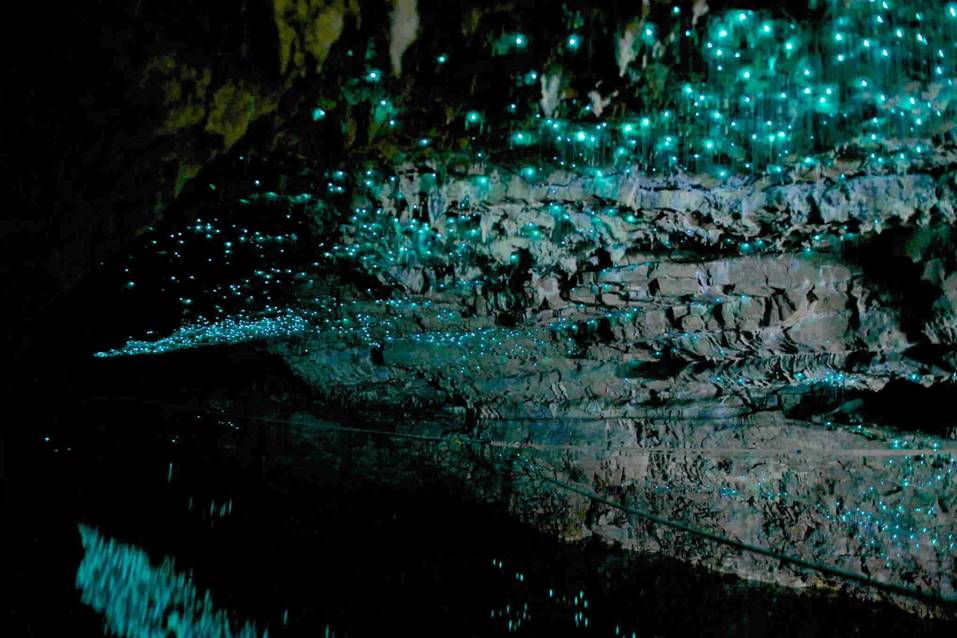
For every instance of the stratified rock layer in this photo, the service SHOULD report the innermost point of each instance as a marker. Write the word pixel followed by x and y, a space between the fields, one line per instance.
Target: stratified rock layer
pixel 718 385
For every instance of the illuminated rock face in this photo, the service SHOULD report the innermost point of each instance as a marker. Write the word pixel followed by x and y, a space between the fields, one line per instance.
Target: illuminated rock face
pixel 694 295
pixel 552 279
pixel 712 386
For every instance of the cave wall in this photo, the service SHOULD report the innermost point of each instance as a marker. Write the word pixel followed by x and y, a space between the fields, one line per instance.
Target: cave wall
pixel 476 222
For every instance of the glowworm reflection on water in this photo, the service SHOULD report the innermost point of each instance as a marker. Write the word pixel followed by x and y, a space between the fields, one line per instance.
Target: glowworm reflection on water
pixel 139 600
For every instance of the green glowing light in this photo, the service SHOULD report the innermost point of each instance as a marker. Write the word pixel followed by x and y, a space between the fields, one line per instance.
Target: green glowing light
pixel 138 599
pixel 523 138
pixel 318 113
pixel 230 331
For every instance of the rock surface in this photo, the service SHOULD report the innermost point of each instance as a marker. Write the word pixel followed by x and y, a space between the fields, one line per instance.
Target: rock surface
pixel 717 392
